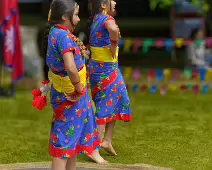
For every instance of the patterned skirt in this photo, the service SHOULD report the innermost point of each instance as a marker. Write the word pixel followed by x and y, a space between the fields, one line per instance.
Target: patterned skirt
pixel 74 128
pixel 109 92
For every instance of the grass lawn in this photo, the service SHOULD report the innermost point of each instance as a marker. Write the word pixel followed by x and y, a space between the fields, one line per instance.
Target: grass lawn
pixel 172 131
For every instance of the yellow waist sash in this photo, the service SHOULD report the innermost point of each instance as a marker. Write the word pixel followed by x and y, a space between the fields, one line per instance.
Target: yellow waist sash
pixel 64 84
pixel 103 54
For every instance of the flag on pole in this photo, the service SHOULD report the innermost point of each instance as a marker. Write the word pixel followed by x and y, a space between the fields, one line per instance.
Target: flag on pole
pixel 10 30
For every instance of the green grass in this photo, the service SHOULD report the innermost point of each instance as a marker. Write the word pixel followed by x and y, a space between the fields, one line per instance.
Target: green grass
pixel 171 131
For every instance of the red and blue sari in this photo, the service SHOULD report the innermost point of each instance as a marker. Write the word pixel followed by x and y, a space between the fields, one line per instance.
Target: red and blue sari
pixel 107 84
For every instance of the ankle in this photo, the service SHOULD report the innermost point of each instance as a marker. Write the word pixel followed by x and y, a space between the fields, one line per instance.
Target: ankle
pixel 107 140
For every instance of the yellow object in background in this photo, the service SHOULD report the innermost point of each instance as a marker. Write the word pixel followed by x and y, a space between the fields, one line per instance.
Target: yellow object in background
pixel 127 45
pixel 167 74
pixel 179 42
pixel 127 73
pixel 208 75
pixel 172 87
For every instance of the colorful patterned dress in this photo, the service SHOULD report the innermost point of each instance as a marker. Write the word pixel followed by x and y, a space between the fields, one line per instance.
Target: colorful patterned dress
pixel 107 84
pixel 74 128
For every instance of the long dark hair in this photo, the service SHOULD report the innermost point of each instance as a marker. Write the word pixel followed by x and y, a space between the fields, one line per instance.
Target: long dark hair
pixel 95 9
pixel 58 8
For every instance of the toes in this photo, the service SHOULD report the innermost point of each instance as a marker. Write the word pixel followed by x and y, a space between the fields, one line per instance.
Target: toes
pixel 110 150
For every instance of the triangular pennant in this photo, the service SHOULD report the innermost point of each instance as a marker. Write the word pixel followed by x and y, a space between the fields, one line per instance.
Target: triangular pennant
pixel 195 74
pixel 146 44
pixel 159 43
pixel 163 90
pixel 153 89
pixel 127 45
pixel 179 42
pixel 151 74
pixel 144 87
pixel 188 73
pixel 208 75
pixel 127 73
pixel 202 73
pixel 190 86
pixel 136 74
pixel 195 89
pixel 169 44
pixel 121 43
pixel 167 74
pixel 159 75
pixel 136 45
pixel 205 88
pixel 135 88
pixel 183 87
pixel 209 42
pixel 176 75
pixel 172 87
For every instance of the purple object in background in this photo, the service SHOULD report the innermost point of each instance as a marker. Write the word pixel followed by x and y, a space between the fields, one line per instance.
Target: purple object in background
pixel 136 74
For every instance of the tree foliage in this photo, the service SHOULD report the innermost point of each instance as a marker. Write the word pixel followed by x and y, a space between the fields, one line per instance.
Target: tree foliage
pixel 205 4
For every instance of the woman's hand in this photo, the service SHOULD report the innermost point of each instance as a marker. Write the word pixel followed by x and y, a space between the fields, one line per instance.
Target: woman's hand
pixel 73 97
pixel 113 49
pixel 77 94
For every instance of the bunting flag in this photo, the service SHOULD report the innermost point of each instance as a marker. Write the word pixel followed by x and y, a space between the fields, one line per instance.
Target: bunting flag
pixel 167 80
pixel 143 45
pixel 10 30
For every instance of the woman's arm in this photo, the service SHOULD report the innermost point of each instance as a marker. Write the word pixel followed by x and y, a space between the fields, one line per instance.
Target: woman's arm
pixel 114 36
pixel 112 29
pixel 72 70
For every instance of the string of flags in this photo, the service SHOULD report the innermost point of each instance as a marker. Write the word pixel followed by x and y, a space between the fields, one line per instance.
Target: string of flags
pixel 143 45
pixel 164 80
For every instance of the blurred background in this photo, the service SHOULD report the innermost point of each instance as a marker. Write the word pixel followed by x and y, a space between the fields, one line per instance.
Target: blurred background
pixel 170 91
pixel 137 21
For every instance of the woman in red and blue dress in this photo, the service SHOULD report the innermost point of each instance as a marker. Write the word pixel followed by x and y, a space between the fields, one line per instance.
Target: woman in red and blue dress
pixel 107 85
pixel 74 129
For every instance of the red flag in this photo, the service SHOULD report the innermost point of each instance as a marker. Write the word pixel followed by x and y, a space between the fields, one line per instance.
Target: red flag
pixel 10 28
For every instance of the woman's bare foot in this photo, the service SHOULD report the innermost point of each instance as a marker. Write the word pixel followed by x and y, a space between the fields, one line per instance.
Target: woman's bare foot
pixel 107 145
pixel 96 157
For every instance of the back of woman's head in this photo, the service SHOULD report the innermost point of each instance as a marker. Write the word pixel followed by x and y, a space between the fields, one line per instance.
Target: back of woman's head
pixel 96 5
pixel 58 9
pixel 95 8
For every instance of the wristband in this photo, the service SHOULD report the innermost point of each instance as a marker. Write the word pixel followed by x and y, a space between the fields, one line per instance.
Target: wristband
pixel 114 42
pixel 76 83
pixel 82 93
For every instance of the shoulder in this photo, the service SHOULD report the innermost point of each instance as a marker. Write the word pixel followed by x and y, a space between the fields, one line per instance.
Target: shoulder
pixel 61 33
pixel 64 35
pixel 106 18
pixel 110 18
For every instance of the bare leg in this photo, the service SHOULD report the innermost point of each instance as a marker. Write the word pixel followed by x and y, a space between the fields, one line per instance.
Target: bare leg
pixel 71 163
pixel 96 157
pixel 107 142
pixel 101 131
pixel 59 164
